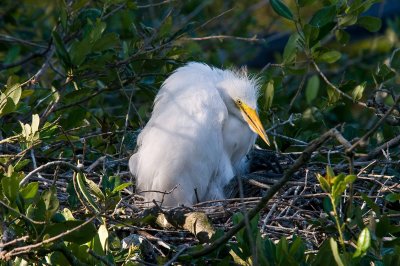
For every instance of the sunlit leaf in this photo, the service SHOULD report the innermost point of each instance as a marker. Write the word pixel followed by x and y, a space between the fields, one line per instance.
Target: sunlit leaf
pixel 358 91
pixel 330 57
pixel 323 183
pixel 51 202
pixel 81 188
pixel 312 88
pixel 335 252
pixel 121 187
pixel 30 190
pixel 363 243
pixel 269 94
pixel 35 123
pixel 290 51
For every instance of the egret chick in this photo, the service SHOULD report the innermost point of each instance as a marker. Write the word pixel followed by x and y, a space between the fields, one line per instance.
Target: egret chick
pixel 203 124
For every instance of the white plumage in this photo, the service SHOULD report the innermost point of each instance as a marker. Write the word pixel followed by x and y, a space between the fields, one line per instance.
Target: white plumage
pixel 202 126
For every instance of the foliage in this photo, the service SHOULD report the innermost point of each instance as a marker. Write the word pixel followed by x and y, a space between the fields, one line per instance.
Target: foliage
pixel 78 79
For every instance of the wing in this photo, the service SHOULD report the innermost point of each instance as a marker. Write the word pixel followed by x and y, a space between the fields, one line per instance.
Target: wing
pixel 182 143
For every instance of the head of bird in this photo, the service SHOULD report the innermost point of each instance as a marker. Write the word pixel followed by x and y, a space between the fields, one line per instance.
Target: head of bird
pixel 240 94
pixel 251 117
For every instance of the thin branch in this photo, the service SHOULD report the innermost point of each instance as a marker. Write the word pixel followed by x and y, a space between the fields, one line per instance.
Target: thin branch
pixel 8 38
pixel 47 165
pixel 175 257
pixel 375 152
pixel 304 157
pixel 98 257
pixel 14 241
pixel 27 249
pixel 374 128
pixel 225 37
pixel 20 214
pixel 345 95
pixel 155 4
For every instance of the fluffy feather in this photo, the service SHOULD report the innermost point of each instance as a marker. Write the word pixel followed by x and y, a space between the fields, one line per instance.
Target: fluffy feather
pixel 196 138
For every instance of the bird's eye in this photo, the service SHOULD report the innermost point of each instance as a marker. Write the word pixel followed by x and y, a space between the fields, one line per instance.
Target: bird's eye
pixel 239 102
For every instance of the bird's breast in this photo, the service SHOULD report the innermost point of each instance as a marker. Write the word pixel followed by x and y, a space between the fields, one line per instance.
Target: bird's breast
pixel 238 139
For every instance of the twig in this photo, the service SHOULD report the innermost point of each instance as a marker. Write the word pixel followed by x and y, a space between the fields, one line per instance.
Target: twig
pixel 336 88
pixel 20 214
pixel 175 257
pixel 14 241
pixel 377 151
pixel 225 37
pixel 374 128
pixel 304 157
pixel 47 165
pixel 98 257
pixel 27 249
pixel 156 4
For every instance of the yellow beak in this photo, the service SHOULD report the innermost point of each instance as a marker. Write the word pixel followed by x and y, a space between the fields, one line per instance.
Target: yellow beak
pixel 251 117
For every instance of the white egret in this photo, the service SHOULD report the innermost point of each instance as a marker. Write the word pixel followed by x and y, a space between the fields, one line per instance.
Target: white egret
pixel 203 124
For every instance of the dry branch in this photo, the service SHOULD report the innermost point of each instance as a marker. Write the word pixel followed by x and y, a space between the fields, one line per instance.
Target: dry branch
pixel 304 157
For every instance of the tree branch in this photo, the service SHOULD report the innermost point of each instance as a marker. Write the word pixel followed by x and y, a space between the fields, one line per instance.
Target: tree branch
pixel 304 157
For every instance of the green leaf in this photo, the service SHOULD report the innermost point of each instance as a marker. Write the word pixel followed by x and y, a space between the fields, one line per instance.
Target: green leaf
pixel 392 197
pixel 14 92
pixel 60 50
pixel 21 164
pixel 303 3
pixel 395 59
pixel 342 36
pixel 10 186
pixel 324 183
pixel 330 57
pixel 51 202
pixel 37 212
pixel 290 51
pixel 30 190
pixel 81 236
pixel 372 24
pixel 10 98
pixel 121 187
pixel 35 123
pixel 95 189
pixel 103 236
pixel 97 31
pixel 349 179
pixel 310 35
pixel 269 94
pixel 79 51
pixel 63 14
pixel 363 243
pixel 281 9
pixel 335 252
pixel 108 41
pixel 312 88
pixel 323 16
pixel 330 174
pixel 81 189
pixel 384 73
pixel 371 204
pixel 358 91
pixel 348 20
pixel 333 95
pixel 324 254
pixel 68 216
